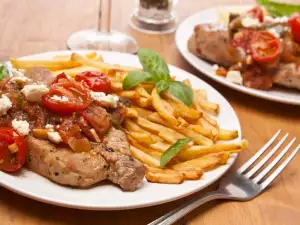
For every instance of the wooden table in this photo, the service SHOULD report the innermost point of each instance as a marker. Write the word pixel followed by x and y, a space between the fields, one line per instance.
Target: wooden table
pixel 35 26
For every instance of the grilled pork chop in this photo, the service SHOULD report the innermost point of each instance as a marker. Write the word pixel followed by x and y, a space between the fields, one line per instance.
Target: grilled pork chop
pixel 211 43
pixel 288 75
pixel 83 169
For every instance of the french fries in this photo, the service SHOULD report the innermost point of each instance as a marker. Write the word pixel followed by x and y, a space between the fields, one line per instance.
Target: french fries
pixel 165 178
pixel 142 137
pixel 155 121
pixel 163 108
pixel 98 64
pixel 181 110
pixel 48 64
pixel 131 113
pixel 227 134
pixel 90 55
pixel 144 157
pixel 204 163
pixel 76 70
pixel 197 151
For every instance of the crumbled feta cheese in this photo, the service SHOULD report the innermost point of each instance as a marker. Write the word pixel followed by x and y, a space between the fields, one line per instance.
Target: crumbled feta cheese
pixel 54 137
pixel 215 67
pixel 274 32
pixel 22 126
pixel 17 73
pixel 59 98
pixel 50 127
pixel 250 22
pixel 5 105
pixel 19 79
pixel 110 100
pixel 34 92
pixel 234 77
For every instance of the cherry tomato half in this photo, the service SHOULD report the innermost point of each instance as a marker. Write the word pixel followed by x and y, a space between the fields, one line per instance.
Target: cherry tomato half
pixel 9 161
pixel 67 97
pixel 257 13
pixel 294 23
pixel 265 47
pixel 95 81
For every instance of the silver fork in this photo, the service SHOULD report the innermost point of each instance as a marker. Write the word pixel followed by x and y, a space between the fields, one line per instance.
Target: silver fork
pixel 241 185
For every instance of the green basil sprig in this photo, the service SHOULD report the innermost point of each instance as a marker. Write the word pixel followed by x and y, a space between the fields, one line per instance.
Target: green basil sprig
pixel 171 152
pixel 279 9
pixel 3 71
pixel 157 71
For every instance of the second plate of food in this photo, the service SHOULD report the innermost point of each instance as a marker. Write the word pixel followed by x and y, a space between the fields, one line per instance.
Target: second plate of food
pixel 219 15
pixel 147 132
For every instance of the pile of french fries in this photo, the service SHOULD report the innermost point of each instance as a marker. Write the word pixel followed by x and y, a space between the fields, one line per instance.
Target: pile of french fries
pixel 156 121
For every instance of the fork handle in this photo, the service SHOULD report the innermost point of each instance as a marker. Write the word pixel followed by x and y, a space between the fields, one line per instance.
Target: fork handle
pixel 187 207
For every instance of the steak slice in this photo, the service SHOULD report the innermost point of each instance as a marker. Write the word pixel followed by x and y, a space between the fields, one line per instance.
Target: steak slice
pixel 109 160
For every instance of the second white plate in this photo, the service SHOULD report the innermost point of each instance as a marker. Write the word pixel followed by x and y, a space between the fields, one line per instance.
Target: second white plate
pixel 183 33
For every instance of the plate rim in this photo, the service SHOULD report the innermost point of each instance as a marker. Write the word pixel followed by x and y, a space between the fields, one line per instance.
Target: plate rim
pixel 187 56
pixel 69 204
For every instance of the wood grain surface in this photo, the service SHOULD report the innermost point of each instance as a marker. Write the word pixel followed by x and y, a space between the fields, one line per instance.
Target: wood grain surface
pixel 33 26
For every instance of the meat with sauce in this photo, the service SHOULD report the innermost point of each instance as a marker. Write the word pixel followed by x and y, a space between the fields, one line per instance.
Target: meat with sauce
pixel 110 160
pixel 212 43
pixel 288 75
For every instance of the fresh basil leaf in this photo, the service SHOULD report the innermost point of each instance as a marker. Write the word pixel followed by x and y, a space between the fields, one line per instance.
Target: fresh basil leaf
pixel 279 9
pixel 172 151
pixel 136 77
pixel 3 72
pixel 182 92
pixel 162 85
pixel 154 64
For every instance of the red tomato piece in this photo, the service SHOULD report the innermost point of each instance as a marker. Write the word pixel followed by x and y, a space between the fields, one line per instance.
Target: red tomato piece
pixel 9 161
pixel 95 81
pixel 265 47
pixel 60 78
pixel 74 97
pixel 294 23
pixel 256 12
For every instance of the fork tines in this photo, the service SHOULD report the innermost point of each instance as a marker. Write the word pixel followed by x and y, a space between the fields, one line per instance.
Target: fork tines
pixel 256 179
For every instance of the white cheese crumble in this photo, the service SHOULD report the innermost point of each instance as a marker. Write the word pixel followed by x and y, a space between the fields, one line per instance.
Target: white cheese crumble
pixel 22 126
pixel 110 100
pixel 283 19
pixel 5 105
pixel 54 137
pixel 34 92
pixel 17 73
pixel 234 77
pixel 50 127
pixel 19 79
pixel 250 22
pixel 59 98
pixel 215 67
pixel 274 32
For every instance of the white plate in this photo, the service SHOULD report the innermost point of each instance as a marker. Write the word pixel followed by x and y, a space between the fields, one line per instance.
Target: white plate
pixel 183 33
pixel 106 196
